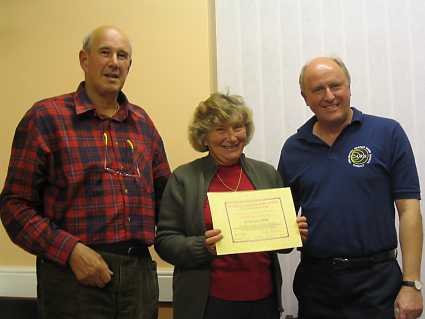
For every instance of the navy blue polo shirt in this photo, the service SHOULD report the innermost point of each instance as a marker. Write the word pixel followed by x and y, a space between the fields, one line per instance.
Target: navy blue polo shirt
pixel 347 190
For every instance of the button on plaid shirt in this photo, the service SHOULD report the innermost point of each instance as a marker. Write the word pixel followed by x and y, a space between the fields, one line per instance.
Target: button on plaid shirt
pixel 77 176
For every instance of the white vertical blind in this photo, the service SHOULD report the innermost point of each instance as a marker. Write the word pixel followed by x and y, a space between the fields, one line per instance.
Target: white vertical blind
pixel 262 44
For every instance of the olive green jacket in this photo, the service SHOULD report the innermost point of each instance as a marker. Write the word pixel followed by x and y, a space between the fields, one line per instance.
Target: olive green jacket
pixel 181 227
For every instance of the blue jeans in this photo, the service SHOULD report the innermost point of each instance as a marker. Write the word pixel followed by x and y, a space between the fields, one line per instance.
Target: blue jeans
pixel 132 292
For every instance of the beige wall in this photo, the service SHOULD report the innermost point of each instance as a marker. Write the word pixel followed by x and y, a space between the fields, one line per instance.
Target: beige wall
pixel 173 65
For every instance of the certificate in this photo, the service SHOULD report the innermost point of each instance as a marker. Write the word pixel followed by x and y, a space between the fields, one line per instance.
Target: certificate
pixel 254 221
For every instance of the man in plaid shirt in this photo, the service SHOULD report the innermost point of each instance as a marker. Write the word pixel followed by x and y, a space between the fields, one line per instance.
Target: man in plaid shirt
pixel 86 174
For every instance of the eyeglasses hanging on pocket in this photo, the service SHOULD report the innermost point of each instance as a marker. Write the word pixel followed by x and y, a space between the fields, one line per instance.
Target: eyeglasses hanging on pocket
pixel 127 158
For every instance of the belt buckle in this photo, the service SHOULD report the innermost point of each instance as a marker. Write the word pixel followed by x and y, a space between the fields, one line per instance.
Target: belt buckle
pixel 130 251
pixel 340 261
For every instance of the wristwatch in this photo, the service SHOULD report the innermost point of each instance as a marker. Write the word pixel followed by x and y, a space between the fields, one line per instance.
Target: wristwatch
pixel 413 283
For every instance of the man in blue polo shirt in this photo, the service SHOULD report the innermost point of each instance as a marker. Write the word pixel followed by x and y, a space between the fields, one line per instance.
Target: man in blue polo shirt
pixel 346 170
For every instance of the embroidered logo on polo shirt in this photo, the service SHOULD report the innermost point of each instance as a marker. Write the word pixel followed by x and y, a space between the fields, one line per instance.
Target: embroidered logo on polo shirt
pixel 359 156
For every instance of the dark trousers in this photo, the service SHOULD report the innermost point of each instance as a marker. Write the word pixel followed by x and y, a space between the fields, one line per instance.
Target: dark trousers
pixel 325 291
pixel 131 294
pixel 224 309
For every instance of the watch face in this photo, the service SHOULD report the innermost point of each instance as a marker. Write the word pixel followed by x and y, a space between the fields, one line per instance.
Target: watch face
pixel 418 285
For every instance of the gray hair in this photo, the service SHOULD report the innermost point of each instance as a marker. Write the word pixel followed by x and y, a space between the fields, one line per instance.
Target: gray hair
pixel 218 109
pixel 87 42
pixel 337 60
pixel 88 39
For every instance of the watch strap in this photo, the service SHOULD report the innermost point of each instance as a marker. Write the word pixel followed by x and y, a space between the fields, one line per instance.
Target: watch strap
pixel 412 283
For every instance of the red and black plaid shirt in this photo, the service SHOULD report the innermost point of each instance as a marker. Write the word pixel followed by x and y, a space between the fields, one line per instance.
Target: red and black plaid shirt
pixel 77 176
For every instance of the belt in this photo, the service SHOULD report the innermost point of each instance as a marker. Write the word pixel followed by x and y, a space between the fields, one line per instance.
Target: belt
pixel 124 248
pixel 351 262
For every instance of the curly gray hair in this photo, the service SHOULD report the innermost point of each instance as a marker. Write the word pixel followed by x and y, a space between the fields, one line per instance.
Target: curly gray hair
pixel 218 109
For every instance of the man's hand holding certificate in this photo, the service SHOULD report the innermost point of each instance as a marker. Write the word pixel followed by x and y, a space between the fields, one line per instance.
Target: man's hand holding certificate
pixel 253 221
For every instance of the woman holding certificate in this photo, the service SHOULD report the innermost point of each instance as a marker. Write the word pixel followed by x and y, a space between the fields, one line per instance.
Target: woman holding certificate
pixel 245 285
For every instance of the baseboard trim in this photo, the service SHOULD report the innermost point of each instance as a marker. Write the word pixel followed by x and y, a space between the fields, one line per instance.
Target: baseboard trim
pixel 21 282
pixel 165 281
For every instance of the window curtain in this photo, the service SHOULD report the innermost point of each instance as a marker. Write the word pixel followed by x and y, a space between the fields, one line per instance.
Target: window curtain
pixel 262 44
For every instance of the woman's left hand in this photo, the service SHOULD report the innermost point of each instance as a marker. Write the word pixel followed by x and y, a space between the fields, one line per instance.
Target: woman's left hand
pixel 211 237
pixel 303 227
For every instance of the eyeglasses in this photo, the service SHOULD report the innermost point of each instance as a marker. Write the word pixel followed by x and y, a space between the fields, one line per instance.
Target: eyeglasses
pixel 122 172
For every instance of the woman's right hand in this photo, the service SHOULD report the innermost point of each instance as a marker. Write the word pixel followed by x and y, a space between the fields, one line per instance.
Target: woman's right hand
pixel 211 237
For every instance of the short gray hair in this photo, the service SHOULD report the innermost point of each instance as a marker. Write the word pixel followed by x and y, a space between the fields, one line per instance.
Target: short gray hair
pixel 218 109
pixel 337 60
pixel 88 39
pixel 87 42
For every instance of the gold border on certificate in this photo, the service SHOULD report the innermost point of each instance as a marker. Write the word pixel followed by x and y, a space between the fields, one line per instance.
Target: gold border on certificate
pixel 254 221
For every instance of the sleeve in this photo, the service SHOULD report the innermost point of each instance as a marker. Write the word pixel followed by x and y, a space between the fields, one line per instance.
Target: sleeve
pixel 281 168
pixel 21 201
pixel 160 168
pixel 404 174
pixel 278 179
pixel 286 177
pixel 172 242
